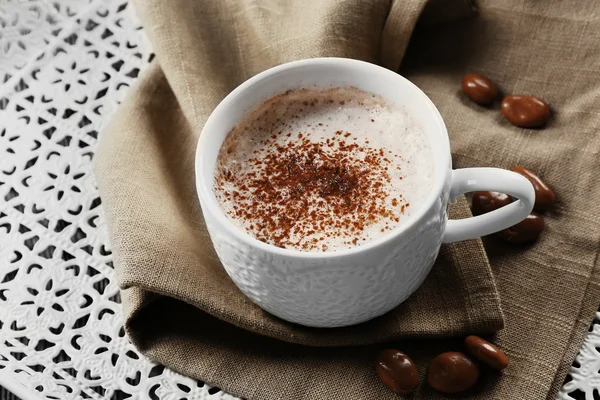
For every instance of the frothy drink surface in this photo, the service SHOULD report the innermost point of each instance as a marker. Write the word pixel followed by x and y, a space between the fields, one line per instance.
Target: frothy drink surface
pixel 323 170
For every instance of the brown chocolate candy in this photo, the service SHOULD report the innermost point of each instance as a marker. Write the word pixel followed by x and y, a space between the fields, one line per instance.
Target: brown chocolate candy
pixel 452 372
pixel 525 111
pixel 484 202
pixel 479 88
pixel 397 371
pixel 544 196
pixel 525 231
pixel 486 352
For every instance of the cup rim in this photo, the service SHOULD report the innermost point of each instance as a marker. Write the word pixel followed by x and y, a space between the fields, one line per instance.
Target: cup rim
pixel 209 203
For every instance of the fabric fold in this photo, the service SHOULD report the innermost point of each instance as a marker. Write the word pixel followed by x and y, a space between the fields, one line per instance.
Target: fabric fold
pixel 183 311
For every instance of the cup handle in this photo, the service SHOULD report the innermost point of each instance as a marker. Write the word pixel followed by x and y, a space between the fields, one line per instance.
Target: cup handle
pixel 493 179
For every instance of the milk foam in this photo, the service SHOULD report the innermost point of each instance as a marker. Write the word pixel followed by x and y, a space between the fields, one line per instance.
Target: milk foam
pixel 342 116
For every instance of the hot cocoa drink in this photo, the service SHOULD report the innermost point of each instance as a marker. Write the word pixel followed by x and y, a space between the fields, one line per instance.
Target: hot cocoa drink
pixel 323 170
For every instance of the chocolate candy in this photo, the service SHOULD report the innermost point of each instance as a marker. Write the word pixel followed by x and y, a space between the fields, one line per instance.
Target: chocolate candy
pixel 486 352
pixel 544 196
pixel 484 202
pixel 452 372
pixel 525 231
pixel 525 111
pixel 397 371
pixel 479 88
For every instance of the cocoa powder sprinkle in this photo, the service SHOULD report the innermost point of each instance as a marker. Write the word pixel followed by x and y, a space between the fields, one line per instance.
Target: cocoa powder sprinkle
pixel 304 187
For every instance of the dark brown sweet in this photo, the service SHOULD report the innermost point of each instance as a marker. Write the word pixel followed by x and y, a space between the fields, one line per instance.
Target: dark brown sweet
pixel 544 196
pixel 525 231
pixel 525 111
pixel 397 371
pixel 486 352
pixel 484 201
pixel 452 372
pixel 479 88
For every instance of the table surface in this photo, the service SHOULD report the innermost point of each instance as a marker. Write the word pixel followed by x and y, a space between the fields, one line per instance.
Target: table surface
pixel 65 65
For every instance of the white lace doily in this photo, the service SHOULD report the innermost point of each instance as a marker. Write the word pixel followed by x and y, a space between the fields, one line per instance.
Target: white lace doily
pixel 64 67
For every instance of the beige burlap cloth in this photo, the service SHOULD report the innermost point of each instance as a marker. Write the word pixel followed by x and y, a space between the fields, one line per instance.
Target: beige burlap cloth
pixel 183 311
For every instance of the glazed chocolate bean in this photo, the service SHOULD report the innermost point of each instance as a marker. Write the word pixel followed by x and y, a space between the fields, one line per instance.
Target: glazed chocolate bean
pixel 452 372
pixel 486 352
pixel 544 196
pixel 479 88
pixel 525 111
pixel 525 231
pixel 397 371
pixel 484 202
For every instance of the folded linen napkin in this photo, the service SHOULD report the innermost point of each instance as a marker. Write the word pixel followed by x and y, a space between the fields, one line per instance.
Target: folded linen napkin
pixel 181 308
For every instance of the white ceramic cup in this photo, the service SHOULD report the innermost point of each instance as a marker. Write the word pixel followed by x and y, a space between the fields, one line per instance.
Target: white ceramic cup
pixel 346 287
